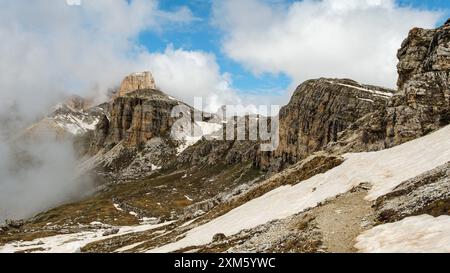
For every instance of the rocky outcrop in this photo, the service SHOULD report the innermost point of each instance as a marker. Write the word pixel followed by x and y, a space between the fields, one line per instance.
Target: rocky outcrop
pixel 428 193
pixel 134 119
pixel 318 111
pixel 422 104
pixel 137 81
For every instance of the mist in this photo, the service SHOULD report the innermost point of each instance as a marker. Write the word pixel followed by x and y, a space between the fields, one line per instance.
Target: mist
pixel 49 51
pixel 38 174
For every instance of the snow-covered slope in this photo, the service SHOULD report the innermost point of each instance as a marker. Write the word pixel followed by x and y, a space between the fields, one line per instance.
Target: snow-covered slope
pixel 67 120
pixel 188 138
pixel 384 170
pixel 75 121
pixel 422 233
pixel 71 243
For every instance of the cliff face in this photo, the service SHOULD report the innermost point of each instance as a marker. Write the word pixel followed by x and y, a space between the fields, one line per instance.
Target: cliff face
pixel 422 104
pixel 424 78
pixel 317 112
pixel 135 118
pixel 137 81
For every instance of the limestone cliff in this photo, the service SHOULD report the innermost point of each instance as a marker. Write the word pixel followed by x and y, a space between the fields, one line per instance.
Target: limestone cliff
pixel 137 81
pixel 422 104
pixel 317 112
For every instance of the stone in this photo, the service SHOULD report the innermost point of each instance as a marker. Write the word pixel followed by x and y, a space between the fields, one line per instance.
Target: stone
pixel 428 193
pixel 422 104
pixel 14 223
pixel 134 119
pixel 137 81
pixel 112 231
pixel 219 237
pixel 318 111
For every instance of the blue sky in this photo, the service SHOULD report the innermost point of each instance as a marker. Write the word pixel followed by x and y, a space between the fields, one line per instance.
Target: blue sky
pixel 202 35
pixel 225 51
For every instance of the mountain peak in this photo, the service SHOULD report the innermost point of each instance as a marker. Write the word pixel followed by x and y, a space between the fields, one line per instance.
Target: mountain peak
pixel 137 81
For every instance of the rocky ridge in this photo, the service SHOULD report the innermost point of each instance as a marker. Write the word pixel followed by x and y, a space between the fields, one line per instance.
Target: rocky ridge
pixel 318 111
pixel 422 103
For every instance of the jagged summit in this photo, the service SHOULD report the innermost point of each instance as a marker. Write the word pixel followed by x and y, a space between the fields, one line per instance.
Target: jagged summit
pixel 137 81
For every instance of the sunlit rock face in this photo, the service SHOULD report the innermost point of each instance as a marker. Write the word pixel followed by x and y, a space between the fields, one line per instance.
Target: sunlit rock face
pixel 137 81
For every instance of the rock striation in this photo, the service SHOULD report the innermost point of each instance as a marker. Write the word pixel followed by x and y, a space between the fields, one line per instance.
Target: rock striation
pixel 422 104
pixel 134 119
pixel 318 111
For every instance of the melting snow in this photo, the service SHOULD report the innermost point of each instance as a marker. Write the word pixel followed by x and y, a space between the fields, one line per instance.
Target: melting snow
pixel 374 92
pixel 363 99
pixel 384 170
pixel 422 233
pixel 206 129
pixel 154 167
pixel 118 207
pixel 70 243
pixel 75 125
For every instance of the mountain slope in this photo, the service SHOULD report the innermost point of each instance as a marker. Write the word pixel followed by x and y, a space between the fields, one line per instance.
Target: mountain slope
pixel 384 170
pixel 356 166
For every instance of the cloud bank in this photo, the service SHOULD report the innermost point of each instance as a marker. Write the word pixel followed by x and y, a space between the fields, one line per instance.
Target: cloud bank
pixel 355 39
pixel 50 50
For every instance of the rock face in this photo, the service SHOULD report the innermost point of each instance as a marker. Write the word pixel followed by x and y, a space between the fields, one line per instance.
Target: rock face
pixel 135 118
pixel 422 104
pixel 424 78
pixel 317 112
pixel 425 194
pixel 137 81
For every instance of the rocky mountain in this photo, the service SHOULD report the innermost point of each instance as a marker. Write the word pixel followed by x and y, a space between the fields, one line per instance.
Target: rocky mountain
pixel 423 100
pixel 318 111
pixel 74 117
pixel 358 168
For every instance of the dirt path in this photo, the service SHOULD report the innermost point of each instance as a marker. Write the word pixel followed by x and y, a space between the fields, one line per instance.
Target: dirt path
pixel 342 220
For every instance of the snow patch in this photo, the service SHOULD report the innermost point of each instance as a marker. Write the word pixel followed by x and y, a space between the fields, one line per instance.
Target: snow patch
pixel 368 100
pixel 373 92
pixel 154 167
pixel 206 128
pixel 418 234
pixel 72 243
pixel 383 169
pixel 117 206
pixel 75 125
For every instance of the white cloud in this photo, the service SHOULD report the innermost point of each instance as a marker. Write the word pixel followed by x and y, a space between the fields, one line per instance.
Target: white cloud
pixel 308 39
pixel 186 74
pixel 50 49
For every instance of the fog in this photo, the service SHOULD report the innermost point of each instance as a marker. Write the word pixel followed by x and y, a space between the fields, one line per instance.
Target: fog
pixel 50 50
pixel 37 174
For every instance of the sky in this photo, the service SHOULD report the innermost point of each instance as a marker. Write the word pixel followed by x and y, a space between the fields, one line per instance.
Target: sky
pixel 205 34
pixel 227 52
